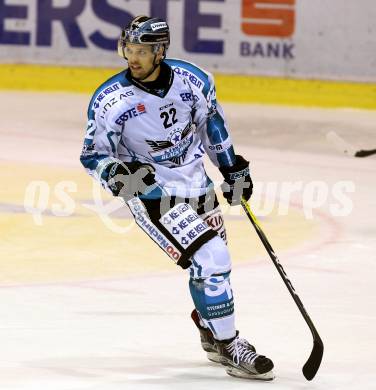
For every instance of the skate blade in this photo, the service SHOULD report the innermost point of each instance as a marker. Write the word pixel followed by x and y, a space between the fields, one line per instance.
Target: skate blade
pixel 213 357
pixel 235 372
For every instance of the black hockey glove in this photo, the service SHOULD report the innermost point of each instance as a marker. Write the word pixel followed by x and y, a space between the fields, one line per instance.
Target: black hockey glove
pixel 129 179
pixel 237 181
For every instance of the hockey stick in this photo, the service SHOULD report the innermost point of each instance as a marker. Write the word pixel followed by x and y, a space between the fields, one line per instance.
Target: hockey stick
pixel 312 365
pixel 340 144
pixel 365 153
pixel 345 147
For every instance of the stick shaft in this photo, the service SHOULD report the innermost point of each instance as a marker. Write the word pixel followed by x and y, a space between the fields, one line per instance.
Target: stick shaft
pixel 314 360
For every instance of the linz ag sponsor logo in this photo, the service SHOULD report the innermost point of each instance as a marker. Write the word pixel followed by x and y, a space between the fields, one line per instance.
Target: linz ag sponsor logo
pixel 131 113
pixel 114 100
pixel 268 18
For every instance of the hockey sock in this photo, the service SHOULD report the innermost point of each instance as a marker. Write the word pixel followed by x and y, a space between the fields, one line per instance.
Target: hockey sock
pixel 213 300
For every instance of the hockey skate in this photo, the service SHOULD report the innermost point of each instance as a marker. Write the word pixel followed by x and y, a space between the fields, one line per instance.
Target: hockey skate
pixel 242 361
pixel 207 340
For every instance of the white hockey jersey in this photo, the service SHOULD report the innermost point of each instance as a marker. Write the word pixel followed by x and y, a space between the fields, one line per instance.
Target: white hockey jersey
pixel 171 133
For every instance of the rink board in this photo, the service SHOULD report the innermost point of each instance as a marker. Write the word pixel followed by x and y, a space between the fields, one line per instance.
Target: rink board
pixel 230 88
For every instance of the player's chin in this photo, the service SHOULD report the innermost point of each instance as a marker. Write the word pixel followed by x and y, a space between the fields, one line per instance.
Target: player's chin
pixel 138 74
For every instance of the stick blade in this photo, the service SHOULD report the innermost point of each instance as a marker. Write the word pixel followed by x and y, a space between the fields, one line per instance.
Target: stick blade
pixel 340 144
pixel 365 153
pixel 313 363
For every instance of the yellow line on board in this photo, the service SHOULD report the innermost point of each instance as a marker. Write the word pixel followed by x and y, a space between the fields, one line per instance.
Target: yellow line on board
pixel 230 88
pixel 317 93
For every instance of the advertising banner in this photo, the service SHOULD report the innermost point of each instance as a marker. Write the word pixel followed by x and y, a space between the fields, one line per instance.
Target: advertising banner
pixel 324 39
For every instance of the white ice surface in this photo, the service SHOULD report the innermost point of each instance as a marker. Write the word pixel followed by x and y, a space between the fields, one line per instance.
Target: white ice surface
pixel 135 332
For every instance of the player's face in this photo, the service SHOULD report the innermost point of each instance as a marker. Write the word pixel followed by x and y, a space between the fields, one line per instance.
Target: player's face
pixel 140 59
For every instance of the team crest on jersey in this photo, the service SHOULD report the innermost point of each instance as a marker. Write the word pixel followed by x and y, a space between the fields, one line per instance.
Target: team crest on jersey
pixel 175 148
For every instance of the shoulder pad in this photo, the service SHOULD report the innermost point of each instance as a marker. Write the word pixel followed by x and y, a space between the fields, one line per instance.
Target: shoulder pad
pixel 113 84
pixel 200 78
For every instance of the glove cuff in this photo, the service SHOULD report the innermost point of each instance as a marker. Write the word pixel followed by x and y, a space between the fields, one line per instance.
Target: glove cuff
pixel 101 171
pixel 236 171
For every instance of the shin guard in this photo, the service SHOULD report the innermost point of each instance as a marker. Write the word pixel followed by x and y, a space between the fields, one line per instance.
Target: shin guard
pixel 213 300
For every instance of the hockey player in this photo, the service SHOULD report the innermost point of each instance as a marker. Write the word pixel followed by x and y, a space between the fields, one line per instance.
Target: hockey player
pixel 149 127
